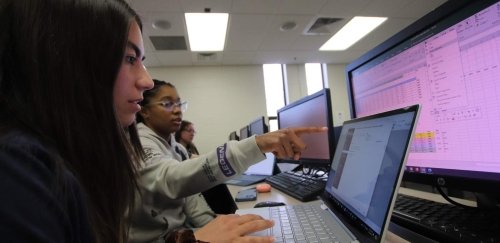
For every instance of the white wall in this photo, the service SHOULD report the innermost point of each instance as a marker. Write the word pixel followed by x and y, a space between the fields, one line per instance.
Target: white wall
pixel 223 99
pixel 336 82
pixel 338 90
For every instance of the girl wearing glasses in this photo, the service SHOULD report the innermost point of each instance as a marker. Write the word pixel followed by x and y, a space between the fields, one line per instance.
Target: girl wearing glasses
pixel 158 214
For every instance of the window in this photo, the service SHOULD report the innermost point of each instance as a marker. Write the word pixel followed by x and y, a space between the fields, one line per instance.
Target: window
pixel 273 123
pixel 273 83
pixel 315 77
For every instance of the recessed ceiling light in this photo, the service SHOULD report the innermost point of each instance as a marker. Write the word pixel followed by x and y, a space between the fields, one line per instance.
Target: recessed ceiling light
pixel 161 25
pixel 289 25
pixel 206 31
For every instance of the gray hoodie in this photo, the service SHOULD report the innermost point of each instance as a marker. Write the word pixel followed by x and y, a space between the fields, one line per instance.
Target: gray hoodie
pixel 171 189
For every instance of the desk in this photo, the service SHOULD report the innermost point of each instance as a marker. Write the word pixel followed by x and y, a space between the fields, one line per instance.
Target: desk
pixel 276 195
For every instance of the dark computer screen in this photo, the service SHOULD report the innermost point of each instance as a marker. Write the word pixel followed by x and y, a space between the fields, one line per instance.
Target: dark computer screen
pixel 234 136
pixel 449 62
pixel 312 110
pixel 258 126
pixel 244 132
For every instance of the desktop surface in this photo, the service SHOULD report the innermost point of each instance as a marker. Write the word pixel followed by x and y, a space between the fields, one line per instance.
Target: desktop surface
pixel 276 195
pixel 405 228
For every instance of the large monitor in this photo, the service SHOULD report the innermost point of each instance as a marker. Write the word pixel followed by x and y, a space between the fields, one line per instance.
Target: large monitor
pixel 312 110
pixel 243 132
pixel 258 126
pixel 449 62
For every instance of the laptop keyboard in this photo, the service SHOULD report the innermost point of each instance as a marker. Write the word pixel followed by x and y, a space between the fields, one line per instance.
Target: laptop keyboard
pixel 300 224
pixel 299 186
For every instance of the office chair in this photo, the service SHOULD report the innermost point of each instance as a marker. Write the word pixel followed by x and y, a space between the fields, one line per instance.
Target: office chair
pixel 220 199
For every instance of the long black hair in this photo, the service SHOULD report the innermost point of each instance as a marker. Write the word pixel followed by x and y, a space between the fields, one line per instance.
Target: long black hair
pixel 59 62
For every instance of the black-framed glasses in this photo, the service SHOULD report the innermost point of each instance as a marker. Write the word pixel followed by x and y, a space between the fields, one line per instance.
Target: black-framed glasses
pixel 169 105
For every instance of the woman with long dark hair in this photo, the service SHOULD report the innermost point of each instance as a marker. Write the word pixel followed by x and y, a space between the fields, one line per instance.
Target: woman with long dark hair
pixel 71 78
pixel 68 155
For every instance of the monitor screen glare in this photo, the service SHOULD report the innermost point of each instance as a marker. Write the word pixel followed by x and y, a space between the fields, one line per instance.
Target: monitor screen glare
pixel 313 110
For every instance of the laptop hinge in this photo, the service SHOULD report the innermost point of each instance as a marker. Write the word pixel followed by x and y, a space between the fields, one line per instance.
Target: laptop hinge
pixel 353 237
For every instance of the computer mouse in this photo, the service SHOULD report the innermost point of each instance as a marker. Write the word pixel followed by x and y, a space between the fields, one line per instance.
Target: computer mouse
pixel 264 187
pixel 268 204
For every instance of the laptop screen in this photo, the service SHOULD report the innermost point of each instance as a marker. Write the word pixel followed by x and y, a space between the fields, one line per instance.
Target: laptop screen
pixel 367 165
pixel 265 167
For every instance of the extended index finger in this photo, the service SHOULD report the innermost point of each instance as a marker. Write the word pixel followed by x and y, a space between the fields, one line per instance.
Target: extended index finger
pixel 296 132
pixel 302 130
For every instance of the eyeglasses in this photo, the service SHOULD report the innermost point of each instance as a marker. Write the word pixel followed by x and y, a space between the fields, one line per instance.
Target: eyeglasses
pixel 169 105
pixel 190 131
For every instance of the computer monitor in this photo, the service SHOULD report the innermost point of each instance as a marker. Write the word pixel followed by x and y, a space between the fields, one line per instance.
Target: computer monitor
pixel 312 110
pixel 243 132
pixel 449 62
pixel 258 126
pixel 234 136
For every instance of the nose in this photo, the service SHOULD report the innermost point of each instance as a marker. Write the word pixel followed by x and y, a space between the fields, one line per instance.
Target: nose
pixel 177 109
pixel 145 82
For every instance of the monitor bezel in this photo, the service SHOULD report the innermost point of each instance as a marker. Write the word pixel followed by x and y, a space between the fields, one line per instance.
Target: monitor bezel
pixel 234 136
pixel 261 120
pixel 244 129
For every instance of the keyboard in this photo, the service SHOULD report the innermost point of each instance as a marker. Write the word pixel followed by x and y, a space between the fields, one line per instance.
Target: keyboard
pixel 300 224
pixel 446 222
pixel 299 186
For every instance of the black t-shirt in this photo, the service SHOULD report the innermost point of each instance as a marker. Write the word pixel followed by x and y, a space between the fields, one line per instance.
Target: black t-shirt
pixel 36 205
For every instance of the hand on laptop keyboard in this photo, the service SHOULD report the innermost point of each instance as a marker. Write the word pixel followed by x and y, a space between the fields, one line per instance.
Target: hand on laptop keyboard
pixel 230 228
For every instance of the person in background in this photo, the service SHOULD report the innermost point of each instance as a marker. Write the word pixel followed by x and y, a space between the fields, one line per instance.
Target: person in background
pixel 156 214
pixel 185 136
pixel 71 78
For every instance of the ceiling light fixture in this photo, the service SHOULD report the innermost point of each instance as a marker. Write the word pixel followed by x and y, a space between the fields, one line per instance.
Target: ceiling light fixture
pixel 352 32
pixel 161 25
pixel 206 31
pixel 289 25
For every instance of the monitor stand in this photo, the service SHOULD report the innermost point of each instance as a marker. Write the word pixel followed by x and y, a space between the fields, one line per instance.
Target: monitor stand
pixel 488 201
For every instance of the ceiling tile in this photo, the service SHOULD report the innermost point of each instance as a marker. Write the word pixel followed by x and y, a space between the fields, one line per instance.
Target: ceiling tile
pixel 199 6
pixel 175 58
pixel 256 6
pixel 254 35
pixel 156 5
pixel 238 57
pixel 301 6
pixel 244 41
pixel 151 60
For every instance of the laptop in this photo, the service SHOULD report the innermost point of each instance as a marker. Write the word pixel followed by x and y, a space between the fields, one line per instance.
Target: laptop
pixel 255 173
pixel 362 184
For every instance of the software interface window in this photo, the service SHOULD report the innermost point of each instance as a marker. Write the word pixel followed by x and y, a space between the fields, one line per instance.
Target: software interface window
pixel 454 76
